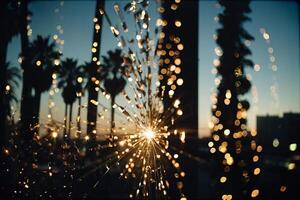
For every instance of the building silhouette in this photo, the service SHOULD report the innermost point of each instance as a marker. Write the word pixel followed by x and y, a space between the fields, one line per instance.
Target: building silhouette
pixel 276 133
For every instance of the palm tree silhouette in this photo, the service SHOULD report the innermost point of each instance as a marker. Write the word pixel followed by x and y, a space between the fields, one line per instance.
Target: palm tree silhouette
pixel 10 77
pixel 9 21
pixel 26 100
pixel 81 74
pixel 92 71
pixel 230 104
pixel 43 59
pixel 68 74
pixel 112 71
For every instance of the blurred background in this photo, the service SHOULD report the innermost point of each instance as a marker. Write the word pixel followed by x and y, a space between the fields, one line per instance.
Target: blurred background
pixel 232 67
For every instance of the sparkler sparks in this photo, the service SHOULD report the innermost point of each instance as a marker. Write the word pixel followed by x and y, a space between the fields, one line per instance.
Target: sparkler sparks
pixel 142 150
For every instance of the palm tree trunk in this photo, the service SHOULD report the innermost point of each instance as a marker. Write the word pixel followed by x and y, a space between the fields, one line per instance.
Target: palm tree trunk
pixel 189 57
pixel 36 109
pixel 112 118
pixel 3 51
pixel 92 93
pixel 26 103
pixel 3 122
pixel 79 118
pixel 65 121
pixel 70 119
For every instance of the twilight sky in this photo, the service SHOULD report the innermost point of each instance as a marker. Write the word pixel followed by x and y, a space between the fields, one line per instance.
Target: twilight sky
pixel 280 19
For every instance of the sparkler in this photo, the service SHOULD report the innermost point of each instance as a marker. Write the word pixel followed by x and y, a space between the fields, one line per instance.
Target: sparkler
pixel 142 147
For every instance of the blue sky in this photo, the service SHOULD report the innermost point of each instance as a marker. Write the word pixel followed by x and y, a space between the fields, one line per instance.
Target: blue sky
pixel 279 18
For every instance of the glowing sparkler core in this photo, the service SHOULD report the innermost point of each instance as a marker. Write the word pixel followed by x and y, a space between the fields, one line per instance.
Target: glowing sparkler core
pixel 148 134
pixel 54 134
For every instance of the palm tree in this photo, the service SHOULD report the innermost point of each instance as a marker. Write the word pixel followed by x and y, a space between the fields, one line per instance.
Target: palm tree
pixel 26 100
pixel 227 111
pixel 9 21
pixel 10 77
pixel 81 74
pixel 112 71
pixel 68 74
pixel 92 71
pixel 186 92
pixel 43 59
